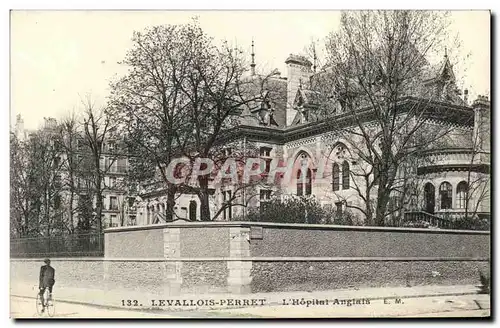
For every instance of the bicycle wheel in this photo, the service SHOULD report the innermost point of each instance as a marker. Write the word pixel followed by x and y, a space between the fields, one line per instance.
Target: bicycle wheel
pixel 39 305
pixel 49 304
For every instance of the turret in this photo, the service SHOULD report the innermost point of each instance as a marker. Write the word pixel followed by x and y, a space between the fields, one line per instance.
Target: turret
pixel 482 124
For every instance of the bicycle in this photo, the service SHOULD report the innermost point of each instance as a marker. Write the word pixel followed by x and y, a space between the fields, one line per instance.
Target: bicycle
pixel 45 303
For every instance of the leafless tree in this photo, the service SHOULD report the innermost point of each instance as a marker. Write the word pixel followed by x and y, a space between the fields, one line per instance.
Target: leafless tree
pixel 98 129
pixel 36 186
pixel 376 76
pixel 181 92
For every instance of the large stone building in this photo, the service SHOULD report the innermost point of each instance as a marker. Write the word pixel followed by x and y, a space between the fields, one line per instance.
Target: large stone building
pixel 285 126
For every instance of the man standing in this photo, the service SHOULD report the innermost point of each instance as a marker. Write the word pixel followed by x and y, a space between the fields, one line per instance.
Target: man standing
pixel 47 274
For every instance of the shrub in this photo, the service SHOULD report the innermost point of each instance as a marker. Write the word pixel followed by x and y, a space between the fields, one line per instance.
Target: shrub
pixel 299 210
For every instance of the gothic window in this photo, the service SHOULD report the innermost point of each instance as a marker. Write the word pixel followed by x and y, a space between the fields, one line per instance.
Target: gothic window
pixel 345 175
pixel 461 199
pixel 340 151
pixel 304 183
pixel 335 177
pixel 445 195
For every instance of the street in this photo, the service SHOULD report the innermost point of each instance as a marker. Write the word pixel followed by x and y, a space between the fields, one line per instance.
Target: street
pixel 21 307
pixel 437 306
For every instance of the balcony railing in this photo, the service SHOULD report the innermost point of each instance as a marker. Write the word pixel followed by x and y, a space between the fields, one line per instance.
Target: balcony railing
pixel 422 219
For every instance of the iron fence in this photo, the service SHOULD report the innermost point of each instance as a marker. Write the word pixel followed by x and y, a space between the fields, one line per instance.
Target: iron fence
pixel 78 245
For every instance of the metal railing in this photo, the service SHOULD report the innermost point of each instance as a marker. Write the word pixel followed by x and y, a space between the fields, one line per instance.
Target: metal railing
pixel 424 219
pixel 419 217
pixel 78 245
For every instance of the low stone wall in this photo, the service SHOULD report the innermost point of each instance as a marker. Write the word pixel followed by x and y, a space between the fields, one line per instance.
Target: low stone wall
pixel 273 276
pixel 77 272
pixel 242 257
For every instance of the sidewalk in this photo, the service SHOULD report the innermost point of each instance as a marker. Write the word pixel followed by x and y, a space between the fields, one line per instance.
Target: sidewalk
pixel 145 301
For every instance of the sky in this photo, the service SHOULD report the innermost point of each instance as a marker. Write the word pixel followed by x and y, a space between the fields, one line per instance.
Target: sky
pixel 59 57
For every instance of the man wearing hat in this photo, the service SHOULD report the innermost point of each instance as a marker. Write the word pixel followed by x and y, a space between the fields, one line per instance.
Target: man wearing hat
pixel 47 274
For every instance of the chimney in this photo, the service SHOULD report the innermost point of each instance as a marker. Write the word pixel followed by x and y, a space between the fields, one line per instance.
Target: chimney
pixel 466 96
pixel 298 70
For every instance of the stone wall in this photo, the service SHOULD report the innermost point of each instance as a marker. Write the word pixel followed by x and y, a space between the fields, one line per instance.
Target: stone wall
pixel 243 257
pixel 79 273
pixel 328 241
pixel 271 276
pixel 146 242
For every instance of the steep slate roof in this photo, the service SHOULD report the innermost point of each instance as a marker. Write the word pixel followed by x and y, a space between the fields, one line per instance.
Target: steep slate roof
pixel 270 90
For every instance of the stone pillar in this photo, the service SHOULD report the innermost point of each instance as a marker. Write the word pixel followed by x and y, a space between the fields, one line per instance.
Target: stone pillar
pixel 172 250
pixel 239 279
pixel 105 264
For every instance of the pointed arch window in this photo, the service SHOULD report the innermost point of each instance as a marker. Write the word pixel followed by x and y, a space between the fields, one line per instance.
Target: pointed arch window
pixel 335 177
pixel 304 183
pixel 345 175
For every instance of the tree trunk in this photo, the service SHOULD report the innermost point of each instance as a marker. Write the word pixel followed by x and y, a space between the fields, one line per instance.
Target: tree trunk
pixel 71 216
pixel 99 206
pixel 382 202
pixel 204 199
pixel 169 214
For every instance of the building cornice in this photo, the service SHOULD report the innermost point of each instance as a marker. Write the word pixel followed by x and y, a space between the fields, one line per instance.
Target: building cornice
pixel 451 113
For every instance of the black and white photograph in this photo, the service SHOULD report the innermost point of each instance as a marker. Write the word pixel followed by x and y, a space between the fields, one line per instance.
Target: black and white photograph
pixel 250 164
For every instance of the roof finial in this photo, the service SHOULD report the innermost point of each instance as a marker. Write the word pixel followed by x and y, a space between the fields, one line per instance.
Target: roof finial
pixel 252 65
pixel 445 52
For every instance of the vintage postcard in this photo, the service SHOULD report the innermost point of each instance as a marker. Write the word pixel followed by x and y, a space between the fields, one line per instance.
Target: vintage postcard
pixel 250 164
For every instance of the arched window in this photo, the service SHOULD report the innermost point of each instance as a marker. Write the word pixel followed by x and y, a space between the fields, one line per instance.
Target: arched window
pixel 429 197
pixel 345 175
pixel 335 177
pixel 304 183
pixel 445 195
pixel 192 210
pixel 461 199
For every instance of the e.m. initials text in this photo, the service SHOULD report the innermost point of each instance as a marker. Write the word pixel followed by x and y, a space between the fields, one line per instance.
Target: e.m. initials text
pixel 393 301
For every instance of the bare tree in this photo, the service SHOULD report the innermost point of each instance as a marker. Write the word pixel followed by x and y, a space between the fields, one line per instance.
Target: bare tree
pixel 181 93
pixel 74 173
pixel 20 209
pixel 98 129
pixel 148 103
pixel 377 76
pixel 36 186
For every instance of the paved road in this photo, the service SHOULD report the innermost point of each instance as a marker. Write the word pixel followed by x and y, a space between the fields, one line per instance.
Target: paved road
pixel 439 306
pixel 21 307
pixel 442 306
